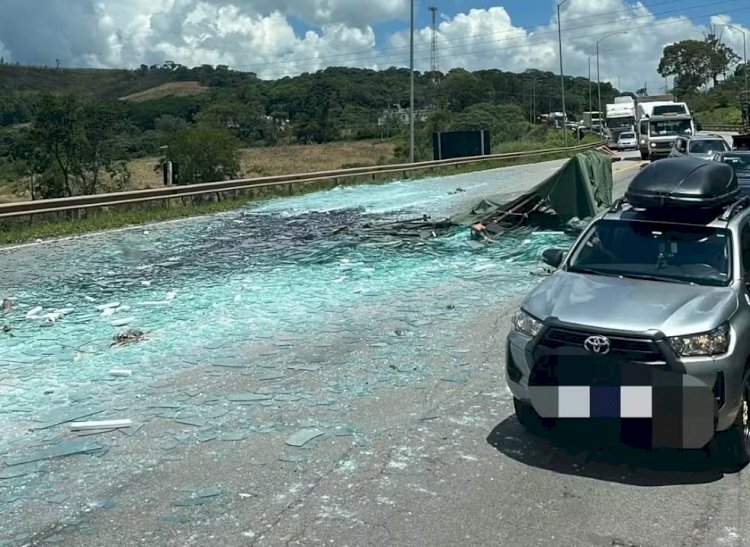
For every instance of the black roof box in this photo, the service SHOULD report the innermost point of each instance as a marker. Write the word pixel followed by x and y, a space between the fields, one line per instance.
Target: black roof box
pixel 684 182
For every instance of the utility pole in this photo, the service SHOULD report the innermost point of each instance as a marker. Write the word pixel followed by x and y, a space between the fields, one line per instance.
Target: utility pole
pixel 598 78
pixel 411 86
pixel 562 76
pixel 590 103
pixel 433 45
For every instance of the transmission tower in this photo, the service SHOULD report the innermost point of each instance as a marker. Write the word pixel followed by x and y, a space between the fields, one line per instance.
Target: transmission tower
pixel 433 49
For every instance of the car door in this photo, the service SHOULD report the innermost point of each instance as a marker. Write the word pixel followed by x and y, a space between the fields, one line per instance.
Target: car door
pixel 745 258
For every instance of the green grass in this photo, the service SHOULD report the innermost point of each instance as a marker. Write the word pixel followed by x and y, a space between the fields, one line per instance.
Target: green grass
pixel 52 226
pixel 729 115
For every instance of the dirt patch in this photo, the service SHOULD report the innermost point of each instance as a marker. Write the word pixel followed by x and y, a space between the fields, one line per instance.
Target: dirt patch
pixel 283 160
pixel 176 89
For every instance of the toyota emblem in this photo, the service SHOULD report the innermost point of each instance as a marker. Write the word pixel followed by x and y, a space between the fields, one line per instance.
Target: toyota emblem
pixel 597 344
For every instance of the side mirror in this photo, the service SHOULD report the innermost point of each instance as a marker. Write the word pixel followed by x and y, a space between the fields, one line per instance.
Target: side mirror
pixel 552 257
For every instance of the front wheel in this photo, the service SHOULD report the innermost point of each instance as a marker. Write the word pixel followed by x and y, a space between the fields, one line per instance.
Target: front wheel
pixel 529 418
pixel 733 445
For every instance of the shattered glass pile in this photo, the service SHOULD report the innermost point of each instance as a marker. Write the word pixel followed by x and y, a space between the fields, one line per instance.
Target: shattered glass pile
pixel 304 313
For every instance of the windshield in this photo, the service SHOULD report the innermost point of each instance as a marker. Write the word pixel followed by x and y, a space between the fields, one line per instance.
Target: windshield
pixel 624 136
pixel 740 164
pixel 708 146
pixel 670 127
pixel 620 122
pixel 652 250
pixel 670 109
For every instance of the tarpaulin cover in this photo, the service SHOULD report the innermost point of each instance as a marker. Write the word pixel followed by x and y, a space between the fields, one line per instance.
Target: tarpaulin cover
pixel 581 188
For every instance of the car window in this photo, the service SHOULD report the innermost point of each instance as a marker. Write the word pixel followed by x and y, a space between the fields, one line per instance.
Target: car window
pixel 707 146
pixel 740 163
pixel 680 253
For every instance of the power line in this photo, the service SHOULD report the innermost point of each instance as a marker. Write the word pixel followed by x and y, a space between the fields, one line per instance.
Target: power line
pixel 378 55
pixel 398 57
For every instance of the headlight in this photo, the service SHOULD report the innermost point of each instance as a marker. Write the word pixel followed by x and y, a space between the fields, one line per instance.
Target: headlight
pixel 643 141
pixel 653 145
pixel 527 324
pixel 715 342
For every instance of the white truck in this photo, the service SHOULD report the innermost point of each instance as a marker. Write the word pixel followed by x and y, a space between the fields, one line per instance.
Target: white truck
pixel 591 121
pixel 620 117
pixel 659 121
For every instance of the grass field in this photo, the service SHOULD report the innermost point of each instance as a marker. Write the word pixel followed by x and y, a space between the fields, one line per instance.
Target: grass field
pixel 285 160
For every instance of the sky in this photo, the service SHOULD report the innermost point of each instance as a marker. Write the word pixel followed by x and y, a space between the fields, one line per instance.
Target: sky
pixel 276 38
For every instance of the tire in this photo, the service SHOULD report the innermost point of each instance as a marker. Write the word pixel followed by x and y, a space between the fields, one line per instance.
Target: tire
pixel 529 419
pixel 733 445
pixel 644 156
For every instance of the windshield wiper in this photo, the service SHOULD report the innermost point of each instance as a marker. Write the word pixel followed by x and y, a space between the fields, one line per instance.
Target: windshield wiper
pixel 651 277
pixel 583 269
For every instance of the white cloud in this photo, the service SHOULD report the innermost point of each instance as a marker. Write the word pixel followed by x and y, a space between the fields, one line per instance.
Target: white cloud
pixel 258 35
pixel 488 39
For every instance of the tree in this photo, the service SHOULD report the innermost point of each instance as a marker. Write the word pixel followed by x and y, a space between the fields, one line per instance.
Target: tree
pixel 204 154
pixel 721 58
pixel 696 62
pixel 82 140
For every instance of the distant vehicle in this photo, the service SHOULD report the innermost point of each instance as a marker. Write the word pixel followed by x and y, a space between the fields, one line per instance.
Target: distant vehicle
pixel 659 121
pixel 646 311
pixel 742 141
pixel 627 141
pixel 740 162
pixel 620 116
pixel 592 120
pixel 701 146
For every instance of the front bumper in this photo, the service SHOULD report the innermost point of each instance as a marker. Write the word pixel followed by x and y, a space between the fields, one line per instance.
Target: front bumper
pixel 659 153
pixel 681 403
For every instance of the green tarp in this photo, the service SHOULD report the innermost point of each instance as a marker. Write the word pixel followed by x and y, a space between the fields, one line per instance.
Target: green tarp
pixel 581 188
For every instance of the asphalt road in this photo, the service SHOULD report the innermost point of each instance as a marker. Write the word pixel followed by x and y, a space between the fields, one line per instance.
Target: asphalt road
pixel 442 461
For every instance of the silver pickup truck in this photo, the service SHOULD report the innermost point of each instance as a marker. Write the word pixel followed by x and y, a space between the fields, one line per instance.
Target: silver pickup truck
pixel 646 319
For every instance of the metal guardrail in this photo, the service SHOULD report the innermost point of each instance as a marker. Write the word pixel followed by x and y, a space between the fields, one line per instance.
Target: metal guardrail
pixel 23 208
pixel 727 127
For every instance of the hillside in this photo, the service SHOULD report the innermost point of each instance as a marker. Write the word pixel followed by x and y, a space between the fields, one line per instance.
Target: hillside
pixel 90 83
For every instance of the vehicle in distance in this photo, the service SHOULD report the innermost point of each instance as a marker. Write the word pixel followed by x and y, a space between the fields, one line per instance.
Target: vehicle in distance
pixel 700 146
pixel 644 323
pixel 739 160
pixel 627 141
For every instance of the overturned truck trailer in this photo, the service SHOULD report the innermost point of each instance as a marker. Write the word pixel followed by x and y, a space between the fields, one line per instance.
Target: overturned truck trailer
pixel 578 190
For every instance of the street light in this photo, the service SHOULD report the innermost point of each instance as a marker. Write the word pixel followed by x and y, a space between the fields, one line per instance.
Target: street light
pixel 411 85
pixel 744 47
pixel 562 77
pixel 598 79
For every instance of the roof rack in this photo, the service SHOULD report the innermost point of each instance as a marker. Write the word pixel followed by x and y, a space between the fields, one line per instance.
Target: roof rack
pixel 735 208
pixel 617 205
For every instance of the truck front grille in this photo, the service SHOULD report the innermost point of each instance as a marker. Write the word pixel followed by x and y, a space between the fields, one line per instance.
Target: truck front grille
pixel 570 341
